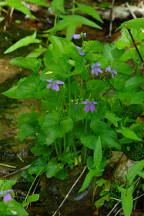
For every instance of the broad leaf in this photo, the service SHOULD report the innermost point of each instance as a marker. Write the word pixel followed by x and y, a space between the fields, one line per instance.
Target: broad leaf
pixel 38 2
pixel 127 200
pixel 89 141
pixel 33 198
pixel 99 87
pixel 133 82
pixel 133 24
pixel 20 6
pixel 16 207
pixel 106 133
pixel 112 118
pixel 6 184
pixel 88 10
pixel 87 180
pixel 129 133
pixel 57 6
pixel 72 20
pixel 66 125
pixel 53 167
pixel 98 153
pixel 131 97
pixel 23 42
pixel 134 171
pixel 33 64
pixel 26 88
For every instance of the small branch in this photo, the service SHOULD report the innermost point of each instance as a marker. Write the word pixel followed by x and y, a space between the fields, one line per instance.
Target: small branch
pixel 72 187
pixel 17 171
pixel 118 212
pixel 111 18
pixel 130 10
pixel 112 209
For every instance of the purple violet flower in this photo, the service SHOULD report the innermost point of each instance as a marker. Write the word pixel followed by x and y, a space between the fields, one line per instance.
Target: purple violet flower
pixel 95 69
pixel 54 85
pixel 78 36
pixel 81 53
pixel 112 71
pixel 14 212
pixel 89 105
pixel 7 196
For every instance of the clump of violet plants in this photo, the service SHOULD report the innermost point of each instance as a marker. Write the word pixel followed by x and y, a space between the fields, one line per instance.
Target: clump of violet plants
pixel 87 108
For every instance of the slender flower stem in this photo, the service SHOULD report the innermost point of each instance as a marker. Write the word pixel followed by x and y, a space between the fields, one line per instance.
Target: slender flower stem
pixel 64 142
pixel 32 186
pixel 55 20
pixel 69 91
pixel 73 7
pixel 56 149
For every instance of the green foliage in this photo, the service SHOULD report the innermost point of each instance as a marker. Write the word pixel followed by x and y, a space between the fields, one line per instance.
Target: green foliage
pixel 23 42
pixel 31 63
pixel 18 5
pixel 57 6
pixel 38 2
pixel 127 200
pixel 133 24
pixel 72 20
pixel 90 103
pixel 21 5
pixel 134 171
pixel 30 199
pixel 87 9
pixel 127 132
pixel 12 207
pixel 27 87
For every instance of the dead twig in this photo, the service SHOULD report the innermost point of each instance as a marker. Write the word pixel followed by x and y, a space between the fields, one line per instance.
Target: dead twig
pixel 111 18
pixel 130 10
pixel 72 187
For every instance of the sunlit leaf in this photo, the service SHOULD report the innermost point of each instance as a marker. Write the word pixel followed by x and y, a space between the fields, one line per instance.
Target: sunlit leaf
pixel 134 171
pixel 57 6
pixel 87 180
pixel 133 24
pixel 33 198
pixel 127 200
pixel 88 10
pixel 98 153
pixel 23 42
pixel 19 5
pixel 72 20
pixel 53 167
pixel 38 2
pixel 33 64
pixel 112 118
pixel 129 133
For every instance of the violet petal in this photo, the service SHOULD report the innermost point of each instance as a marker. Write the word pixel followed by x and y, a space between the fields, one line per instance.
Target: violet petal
pixel 94 102
pixel 87 108
pixel 55 87
pixel 92 107
pixel 49 85
pixel 79 48
pixel 85 102
pixel 7 197
pixel 76 36
pixel 82 53
pixel 59 82
pixel 49 80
